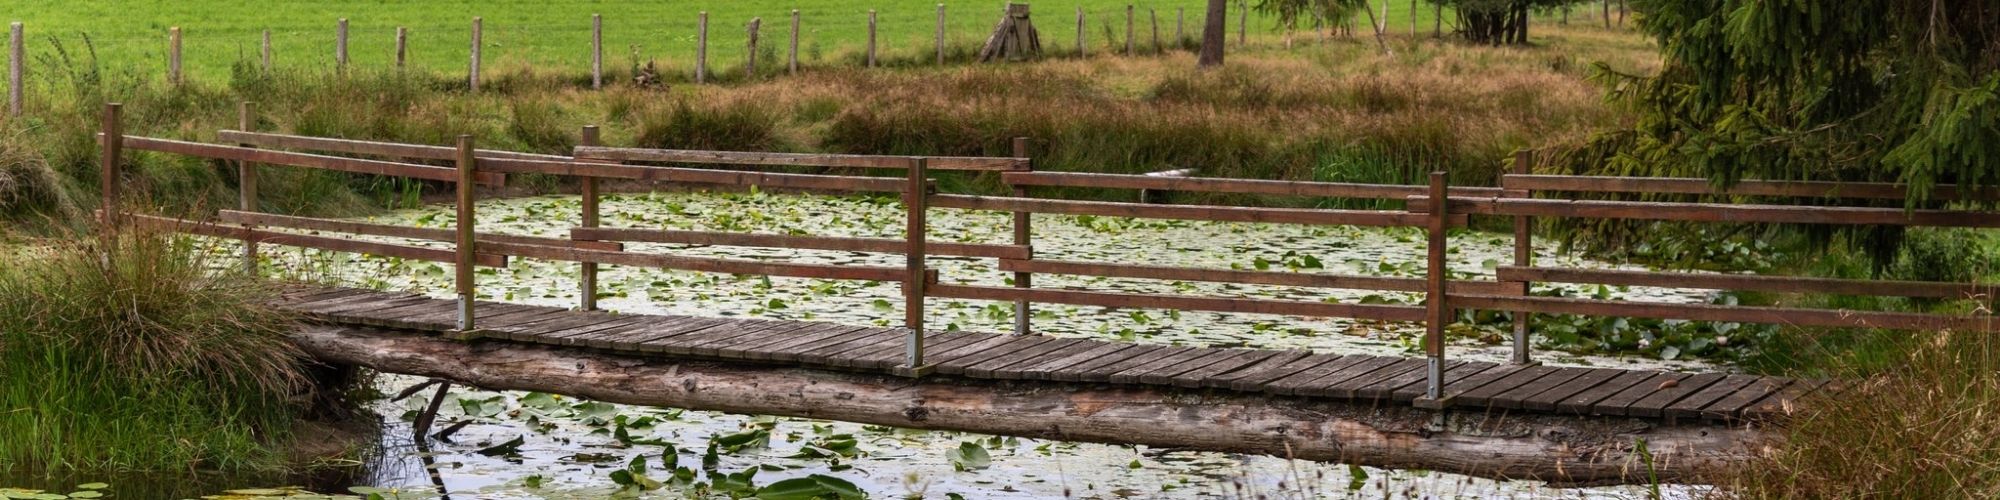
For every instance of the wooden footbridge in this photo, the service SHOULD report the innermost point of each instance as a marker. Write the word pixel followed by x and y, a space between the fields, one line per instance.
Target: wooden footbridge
pixel 1433 382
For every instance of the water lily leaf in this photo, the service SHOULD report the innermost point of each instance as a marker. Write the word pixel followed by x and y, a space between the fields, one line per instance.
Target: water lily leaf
pixel 969 455
pixel 92 486
pixel 810 487
pixel 510 447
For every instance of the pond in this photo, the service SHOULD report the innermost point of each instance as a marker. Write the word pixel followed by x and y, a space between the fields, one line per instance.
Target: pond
pixel 531 445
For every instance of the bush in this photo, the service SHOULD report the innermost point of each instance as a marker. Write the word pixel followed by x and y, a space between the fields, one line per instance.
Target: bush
pixel 140 358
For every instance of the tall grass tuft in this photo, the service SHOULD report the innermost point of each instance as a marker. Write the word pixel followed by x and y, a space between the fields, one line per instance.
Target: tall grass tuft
pixel 1926 428
pixel 140 356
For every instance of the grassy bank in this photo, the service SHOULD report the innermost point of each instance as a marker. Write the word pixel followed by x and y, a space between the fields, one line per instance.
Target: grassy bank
pixel 1339 111
pixel 139 358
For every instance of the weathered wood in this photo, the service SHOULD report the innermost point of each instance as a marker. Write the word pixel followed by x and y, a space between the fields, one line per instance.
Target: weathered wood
pixel 310 241
pixel 1739 314
pixel 597 51
pixel 701 48
pixel 1548 399
pixel 372 148
pixel 1437 293
pixel 844 244
pixel 701 264
pixel 698 176
pixel 467 241
pixel 1655 404
pixel 1024 236
pixel 1734 404
pixel 797 159
pixel 1716 212
pixel 266 51
pixel 1302 279
pixel 110 146
pixel 792 61
pixel 420 233
pixel 340 45
pixel 1220 185
pixel 871 38
pixel 750 65
pixel 174 75
pixel 472 74
pixel 1691 405
pixel 590 218
pixel 16 68
pixel 246 186
pixel 1187 212
pixel 1751 282
pixel 402 47
pixel 1686 185
pixel 1546 448
pixel 305 160
pixel 1217 304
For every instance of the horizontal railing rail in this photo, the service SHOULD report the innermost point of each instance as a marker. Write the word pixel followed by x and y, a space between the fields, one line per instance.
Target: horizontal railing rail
pixel 1774 188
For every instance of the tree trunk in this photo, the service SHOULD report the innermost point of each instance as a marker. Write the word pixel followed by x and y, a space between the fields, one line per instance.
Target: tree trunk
pixel 1380 44
pixel 1214 33
pixel 1561 449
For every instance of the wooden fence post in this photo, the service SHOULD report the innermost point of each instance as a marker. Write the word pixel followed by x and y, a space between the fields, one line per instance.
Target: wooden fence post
pixel 1180 26
pixel 472 77
pixel 402 46
pixel 246 184
pixel 701 48
pixel 267 51
pixel 1524 254
pixel 15 67
pixel 940 34
pixel 792 62
pixel 1128 29
pixel 108 155
pixel 1243 26
pixel 915 203
pixel 1082 48
pixel 1413 18
pixel 588 273
pixel 174 55
pixel 1023 235
pixel 467 247
pixel 750 67
pixel 340 45
pixel 1154 15
pixel 871 38
pixel 596 52
pixel 1437 312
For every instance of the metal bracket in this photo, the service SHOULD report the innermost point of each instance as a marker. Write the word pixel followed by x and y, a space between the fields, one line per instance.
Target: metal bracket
pixel 918 372
pixel 467 335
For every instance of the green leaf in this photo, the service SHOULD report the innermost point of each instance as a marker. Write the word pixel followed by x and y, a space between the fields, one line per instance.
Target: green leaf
pixel 810 487
pixel 969 455
pixel 508 448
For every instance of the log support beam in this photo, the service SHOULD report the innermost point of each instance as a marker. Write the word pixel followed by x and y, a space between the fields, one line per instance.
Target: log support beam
pixel 1557 449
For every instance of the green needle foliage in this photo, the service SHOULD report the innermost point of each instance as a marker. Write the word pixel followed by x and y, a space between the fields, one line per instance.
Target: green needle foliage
pixel 139 358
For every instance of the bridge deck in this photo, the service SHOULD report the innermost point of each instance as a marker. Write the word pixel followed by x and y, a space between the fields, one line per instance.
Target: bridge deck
pixel 1375 379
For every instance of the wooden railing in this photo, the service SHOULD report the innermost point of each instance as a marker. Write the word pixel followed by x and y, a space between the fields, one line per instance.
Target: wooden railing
pixel 1436 208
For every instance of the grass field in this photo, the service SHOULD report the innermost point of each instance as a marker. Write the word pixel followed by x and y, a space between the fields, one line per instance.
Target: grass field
pixel 547 34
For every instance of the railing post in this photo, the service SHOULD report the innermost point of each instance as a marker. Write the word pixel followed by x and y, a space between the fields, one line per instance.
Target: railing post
pixel 1023 235
pixel 467 246
pixel 1524 254
pixel 915 202
pixel 588 272
pixel 108 156
pixel 340 46
pixel 596 51
pixel 1437 312
pixel 472 75
pixel 246 185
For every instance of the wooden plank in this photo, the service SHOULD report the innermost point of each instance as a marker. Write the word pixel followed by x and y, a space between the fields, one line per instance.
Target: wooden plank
pixel 338 302
pixel 1102 373
pixel 959 365
pixel 304 160
pixel 1219 185
pixel 1655 404
pixel 1580 402
pixel 871 336
pixel 1195 379
pixel 1044 369
pixel 618 337
pixel 875 245
pixel 420 233
pixel 1731 407
pixel 400 317
pixel 701 264
pixel 1289 385
pixel 1328 217
pixel 854 357
pixel 1455 378
pixel 810 182
pixel 1366 367
pixel 655 340
pixel 1618 403
pixel 1750 282
pixel 687 344
pixel 372 148
pixel 1740 314
pixel 1691 185
pixel 1691 405
pixel 1484 395
pixel 1086 371
pixel 627 323
pixel 987 368
pixel 797 159
pixel 1252 379
pixel 981 343
pixel 712 346
pixel 1067 349
pixel 1301 279
pixel 298 296
pixel 1383 385
pixel 1587 381
pixel 1567 380
pixel 1218 304
pixel 765 349
pixel 894 355
pixel 308 241
pixel 1349 386
pixel 565 321
pixel 1715 212
pixel 1784 402
pixel 1132 374
pixel 789 349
